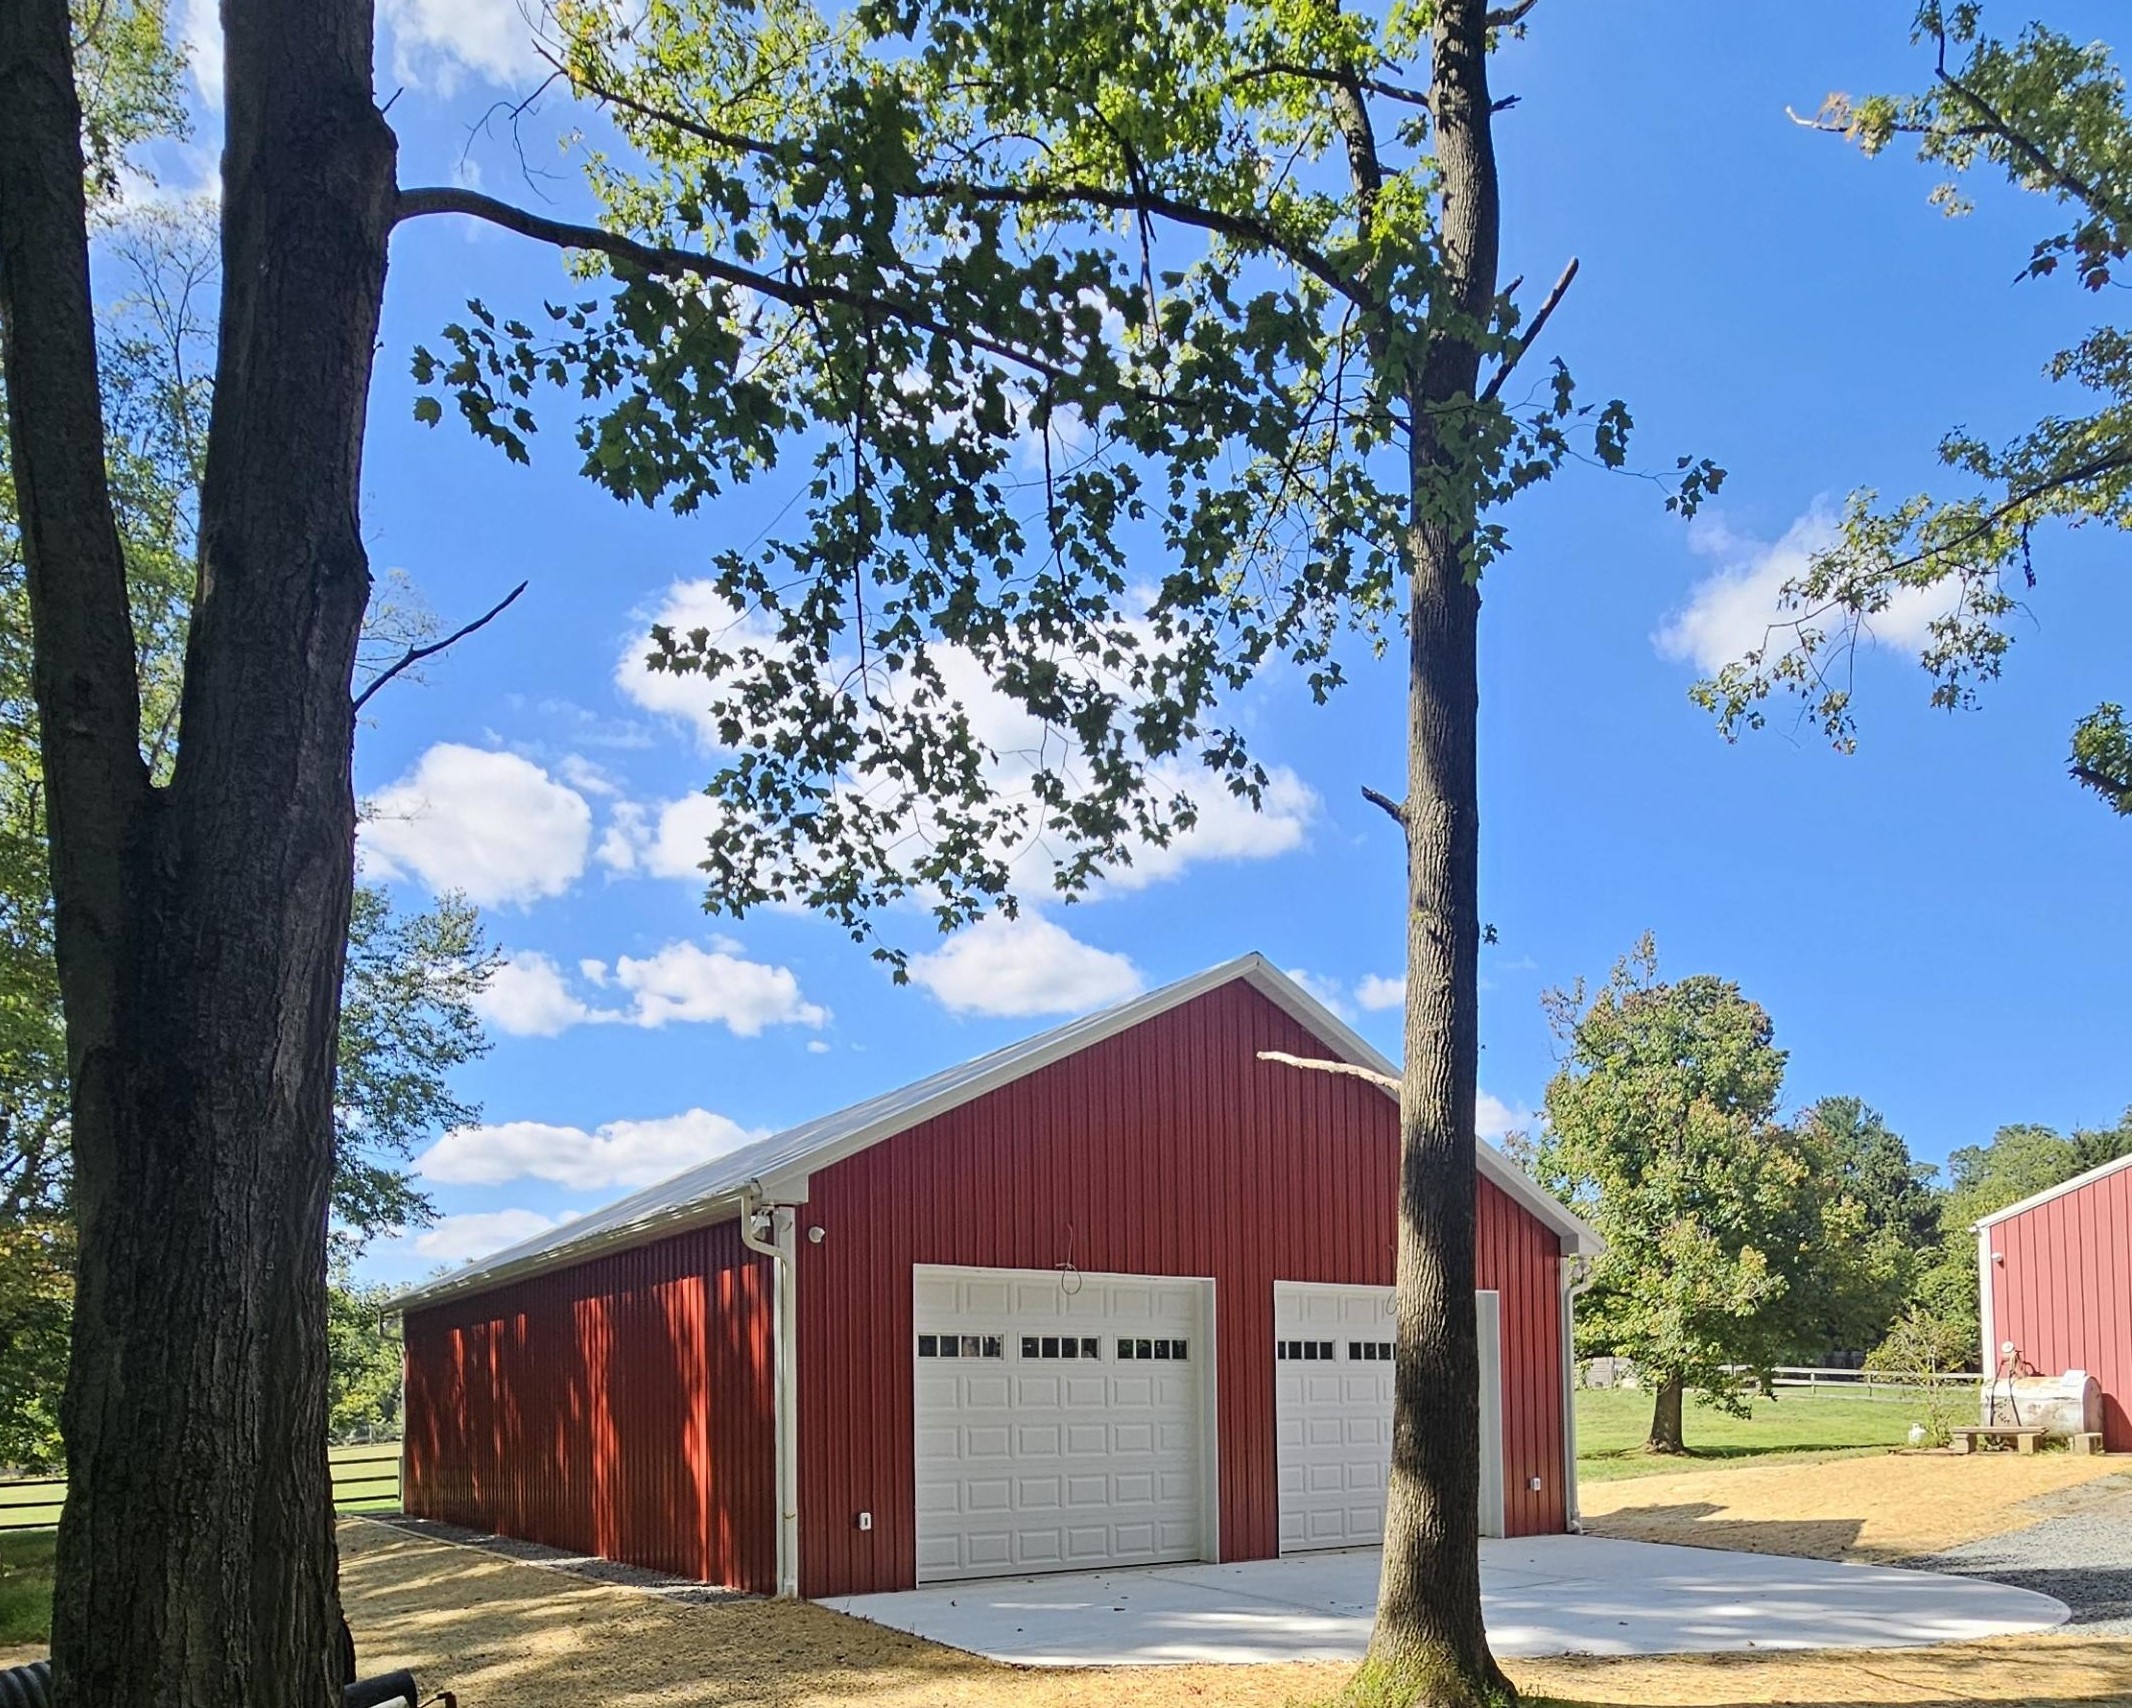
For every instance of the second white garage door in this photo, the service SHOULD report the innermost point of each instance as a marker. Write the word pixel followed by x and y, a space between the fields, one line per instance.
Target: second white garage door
pixel 1332 1406
pixel 1060 1421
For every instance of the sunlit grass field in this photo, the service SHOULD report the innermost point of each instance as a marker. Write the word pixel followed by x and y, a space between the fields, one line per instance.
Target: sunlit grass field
pixel 1801 1423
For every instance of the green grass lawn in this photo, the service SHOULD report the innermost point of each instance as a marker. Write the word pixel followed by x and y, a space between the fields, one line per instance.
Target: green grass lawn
pixel 365 1479
pixel 26 1585
pixel 1798 1424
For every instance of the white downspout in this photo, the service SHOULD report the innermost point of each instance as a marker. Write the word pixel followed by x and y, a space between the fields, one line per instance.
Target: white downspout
pixel 1989 1357
pixel 1576 1278
pixel 784 1338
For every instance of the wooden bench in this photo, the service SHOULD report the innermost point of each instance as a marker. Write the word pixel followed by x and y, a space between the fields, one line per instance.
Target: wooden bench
pixel 1966 1440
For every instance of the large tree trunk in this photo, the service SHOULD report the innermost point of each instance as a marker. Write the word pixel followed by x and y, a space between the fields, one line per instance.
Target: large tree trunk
pixel 1429 1644
pixel 1665 1436
pixel 201 927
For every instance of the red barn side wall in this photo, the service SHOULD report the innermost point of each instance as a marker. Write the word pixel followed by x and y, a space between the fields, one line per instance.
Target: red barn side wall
pixel 2063 1295
pixel 621 1407
pixel 1168 1150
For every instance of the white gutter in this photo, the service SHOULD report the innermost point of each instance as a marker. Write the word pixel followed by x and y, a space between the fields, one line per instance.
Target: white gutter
pixel 784 1339
pixel 1576 1278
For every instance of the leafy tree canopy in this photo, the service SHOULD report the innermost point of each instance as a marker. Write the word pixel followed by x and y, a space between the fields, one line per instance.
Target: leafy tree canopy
pixel 2048 113
pixel 362 1361
pixel 1731 1238
pixel 1871 1163
pixel 1097 358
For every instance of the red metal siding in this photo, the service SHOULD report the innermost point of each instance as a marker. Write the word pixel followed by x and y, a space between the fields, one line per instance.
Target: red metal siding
pixel 1169 1149
pixel 2063 1295
pixel 622 1407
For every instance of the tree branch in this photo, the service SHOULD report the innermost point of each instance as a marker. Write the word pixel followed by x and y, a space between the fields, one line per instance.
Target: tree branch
pixel 1141 200
pixel 1149 201
pixel 1377 798
pixel 415 654
pixel 1517 351
pixel 1505 17
pixel 1320 74
pixel 2115 788
pixel 664 261
pixel 2109 463
pixel 1351 1070
pixel 2026 147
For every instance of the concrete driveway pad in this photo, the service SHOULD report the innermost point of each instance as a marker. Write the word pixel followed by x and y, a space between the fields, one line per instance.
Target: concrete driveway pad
pixel 1544 1595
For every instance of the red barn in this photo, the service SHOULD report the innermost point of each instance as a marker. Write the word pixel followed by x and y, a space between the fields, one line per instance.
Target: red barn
pixel 2055 1276
pixel 1118 1294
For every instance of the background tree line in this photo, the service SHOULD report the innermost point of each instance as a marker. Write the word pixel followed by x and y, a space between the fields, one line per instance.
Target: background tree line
pixel 1739 1240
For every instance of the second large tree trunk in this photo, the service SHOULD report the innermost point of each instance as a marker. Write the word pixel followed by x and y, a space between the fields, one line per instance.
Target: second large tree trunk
pixel 202 926
pixel 1429 1644
pixel 1665 1436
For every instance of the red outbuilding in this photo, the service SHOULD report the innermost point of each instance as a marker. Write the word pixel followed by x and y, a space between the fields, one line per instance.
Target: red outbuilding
pixel 2055 1274
pixel 1118 1294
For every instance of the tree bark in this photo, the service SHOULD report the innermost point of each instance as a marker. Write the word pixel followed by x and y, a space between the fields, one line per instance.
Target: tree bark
pixel 1665 1436
pixel 201 926
pixel 1429 1643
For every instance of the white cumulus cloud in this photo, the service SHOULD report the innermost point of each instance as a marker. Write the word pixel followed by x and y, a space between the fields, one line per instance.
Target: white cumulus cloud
pixel 527 997
pixel 1738 608
pixel 668 839
pixel 1227 827
pixel 1493 1118
pixel 614 1154
pixel 684 982
pixel 200 36
pixel 1376 992
pixel 491 824
pixel 436 44
pixel 1023 966
pixel 688 606
pixel 531 996
pixel 461 1239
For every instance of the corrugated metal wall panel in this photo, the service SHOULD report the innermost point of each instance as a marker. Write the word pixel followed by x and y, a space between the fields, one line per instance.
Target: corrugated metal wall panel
pixel 622 1407
pixel 2063 1294
pixel 1170 1150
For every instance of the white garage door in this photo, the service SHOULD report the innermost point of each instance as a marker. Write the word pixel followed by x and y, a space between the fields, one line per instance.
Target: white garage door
pixel 1332 1388
pixel 1059 1421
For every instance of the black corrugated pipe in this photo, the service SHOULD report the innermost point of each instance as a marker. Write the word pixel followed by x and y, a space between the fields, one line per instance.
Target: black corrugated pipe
pixel 31 1687
pixel 375 1692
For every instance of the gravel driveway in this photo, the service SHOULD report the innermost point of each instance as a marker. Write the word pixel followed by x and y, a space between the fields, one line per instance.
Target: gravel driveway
pixel 2082 1554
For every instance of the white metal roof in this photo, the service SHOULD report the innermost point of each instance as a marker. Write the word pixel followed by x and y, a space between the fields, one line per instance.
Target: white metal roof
pixel 2058 1191
pixel 780 1164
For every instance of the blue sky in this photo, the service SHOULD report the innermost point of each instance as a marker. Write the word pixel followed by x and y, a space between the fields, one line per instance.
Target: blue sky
pixel 1937 924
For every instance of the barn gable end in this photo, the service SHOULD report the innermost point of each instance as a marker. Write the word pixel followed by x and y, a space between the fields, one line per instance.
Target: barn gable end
pixel 1167 1150
pixel 2056 1275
